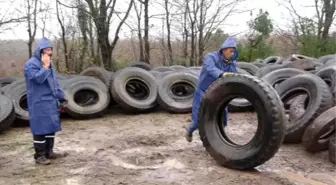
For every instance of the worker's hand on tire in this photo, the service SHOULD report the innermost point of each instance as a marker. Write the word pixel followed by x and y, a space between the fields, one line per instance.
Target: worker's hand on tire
pixel 226 74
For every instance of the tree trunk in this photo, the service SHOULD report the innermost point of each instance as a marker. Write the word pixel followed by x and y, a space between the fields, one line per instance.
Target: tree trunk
pixel 170 51
pixel 65 47
pixel 146 34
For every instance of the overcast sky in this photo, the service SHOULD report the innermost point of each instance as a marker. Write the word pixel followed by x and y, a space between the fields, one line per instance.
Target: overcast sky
pixel 234 24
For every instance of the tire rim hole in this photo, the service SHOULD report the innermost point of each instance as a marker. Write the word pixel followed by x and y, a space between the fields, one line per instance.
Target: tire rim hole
pixel 86 97
pixel 328 82
pixel 234 134
pixel 137 89
pixel 23 102
pixel 182 90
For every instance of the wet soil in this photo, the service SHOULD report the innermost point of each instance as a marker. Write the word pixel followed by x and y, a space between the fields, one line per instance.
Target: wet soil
pixel 150 149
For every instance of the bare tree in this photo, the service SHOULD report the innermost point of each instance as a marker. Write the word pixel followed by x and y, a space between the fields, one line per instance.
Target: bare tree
pixel 168 25
pixel 102 15
pixel 138 12
pixel 83 22
pixel 8 15
pixel 146 30
pixel 60 19
pixel 31 7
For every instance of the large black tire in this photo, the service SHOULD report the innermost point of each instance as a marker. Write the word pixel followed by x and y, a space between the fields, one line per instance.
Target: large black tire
pixel 273 60
pixel 299 57
pixel 97 72
pixel 304 64
pixel 162 69
pixel 163 74
pixel 320 100
pixel 175 92
pixel 275 77
pixel 250 68
pixel 156 74
pixel 316 137
pixel 196 68
pixel 18 94
pixel 7 113
pixel 271 122
pixel 87 98
pixel 142 65
pixel 135 90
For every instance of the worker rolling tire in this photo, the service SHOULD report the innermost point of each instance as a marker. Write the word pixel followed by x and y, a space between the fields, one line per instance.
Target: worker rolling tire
pixel 275 77
pixel 17 92
pixel 332 149
pixel 97 72
pixel 176 90
pixel 316 137
pixel 271 126
pixel 162 69
pixel 135 90
pixel 7 113
pixel 319 100
pixel 143 65
pixel 87 98
pixel 250 68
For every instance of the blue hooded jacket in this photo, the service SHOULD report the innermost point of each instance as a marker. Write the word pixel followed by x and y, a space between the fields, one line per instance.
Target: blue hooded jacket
pixel 214 65
pixel 43 93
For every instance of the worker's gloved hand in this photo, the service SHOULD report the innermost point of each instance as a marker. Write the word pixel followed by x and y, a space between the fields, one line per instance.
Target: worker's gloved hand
pixel 226 74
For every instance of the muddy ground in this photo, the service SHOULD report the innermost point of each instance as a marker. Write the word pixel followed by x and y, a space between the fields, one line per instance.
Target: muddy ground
pixel 149 149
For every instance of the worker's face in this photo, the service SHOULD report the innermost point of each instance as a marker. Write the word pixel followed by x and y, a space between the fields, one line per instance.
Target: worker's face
pixel 228 53
pixel 47 51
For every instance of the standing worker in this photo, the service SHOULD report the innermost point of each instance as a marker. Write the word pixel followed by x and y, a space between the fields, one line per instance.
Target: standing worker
pixel 44 96
pixel 215 65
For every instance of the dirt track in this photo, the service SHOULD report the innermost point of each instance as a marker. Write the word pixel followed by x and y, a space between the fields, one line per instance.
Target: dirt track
pixel 149 149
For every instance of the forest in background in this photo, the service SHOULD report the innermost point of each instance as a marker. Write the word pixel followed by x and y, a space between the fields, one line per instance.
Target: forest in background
pixel 190 29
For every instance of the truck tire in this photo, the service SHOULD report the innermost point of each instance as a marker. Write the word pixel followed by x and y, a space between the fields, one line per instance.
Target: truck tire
pixel 17 92
pixel 162 69
pixel 328 74
pixel 87 98
pixel 320 100
pixel 7 113
pixel 271 126
pixel 97 72
pixel 135 90
pixel 175 92
pixel 275 77
pixel 273 59
pixel 317 135
pixel 250 68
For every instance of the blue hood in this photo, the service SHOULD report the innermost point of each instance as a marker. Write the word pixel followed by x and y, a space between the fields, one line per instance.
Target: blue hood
pixel 230 43
pixel 42 44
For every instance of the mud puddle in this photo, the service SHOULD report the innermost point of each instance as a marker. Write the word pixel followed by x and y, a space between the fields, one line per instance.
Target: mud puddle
pixel 119 149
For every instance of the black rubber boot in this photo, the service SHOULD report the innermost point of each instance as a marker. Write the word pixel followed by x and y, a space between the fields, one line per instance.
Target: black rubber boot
pixel 40 150
pixel 50 138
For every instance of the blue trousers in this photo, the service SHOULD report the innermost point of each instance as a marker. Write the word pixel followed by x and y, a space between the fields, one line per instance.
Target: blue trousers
pixel 195 108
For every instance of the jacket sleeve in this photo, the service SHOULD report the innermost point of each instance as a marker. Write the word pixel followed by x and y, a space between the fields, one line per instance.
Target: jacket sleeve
pixel 210 67
pixel 36 73
pixel 60 92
